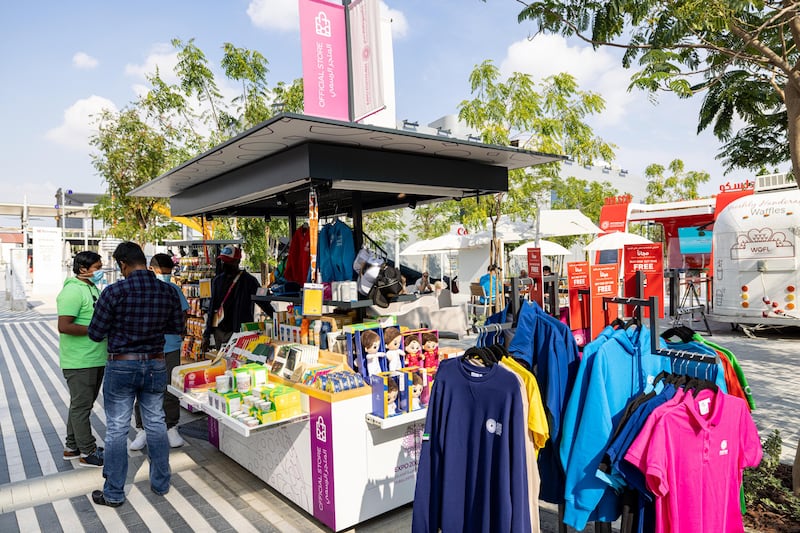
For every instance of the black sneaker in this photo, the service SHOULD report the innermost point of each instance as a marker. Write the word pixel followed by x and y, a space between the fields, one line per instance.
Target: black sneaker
pixel 69 455
pixel 100 499
pixel 94 459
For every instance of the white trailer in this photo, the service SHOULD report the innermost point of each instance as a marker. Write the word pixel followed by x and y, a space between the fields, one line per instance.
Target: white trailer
pixel 755 249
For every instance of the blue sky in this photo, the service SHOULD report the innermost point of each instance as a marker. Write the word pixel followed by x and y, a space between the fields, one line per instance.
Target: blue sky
pixel 63 61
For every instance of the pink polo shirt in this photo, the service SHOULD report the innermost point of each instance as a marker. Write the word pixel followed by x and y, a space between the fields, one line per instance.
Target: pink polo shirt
pixel 693 457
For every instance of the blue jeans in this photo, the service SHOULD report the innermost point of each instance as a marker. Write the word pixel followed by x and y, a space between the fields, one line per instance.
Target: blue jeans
pixel 126 381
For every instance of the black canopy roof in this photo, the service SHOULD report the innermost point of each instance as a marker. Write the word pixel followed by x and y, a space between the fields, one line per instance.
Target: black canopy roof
pixel 269 169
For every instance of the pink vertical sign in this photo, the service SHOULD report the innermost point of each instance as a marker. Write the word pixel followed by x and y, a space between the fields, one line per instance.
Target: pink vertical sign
pixel 324 51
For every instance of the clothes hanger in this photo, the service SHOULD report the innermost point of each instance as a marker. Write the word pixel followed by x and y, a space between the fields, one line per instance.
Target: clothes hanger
pixel 617 323
pixel 679 332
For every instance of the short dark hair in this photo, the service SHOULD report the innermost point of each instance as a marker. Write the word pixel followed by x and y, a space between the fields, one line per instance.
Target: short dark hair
pixel 162 261
pixel 84 260
pixel 130 253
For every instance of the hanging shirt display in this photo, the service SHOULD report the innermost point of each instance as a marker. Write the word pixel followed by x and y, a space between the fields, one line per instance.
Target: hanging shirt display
pixel 299 260
pixel 548 346
pixel 336 252
pixel 693 457
pixel 472 468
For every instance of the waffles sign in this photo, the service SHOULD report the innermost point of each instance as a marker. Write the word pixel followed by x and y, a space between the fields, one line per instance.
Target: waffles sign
pixel 761 244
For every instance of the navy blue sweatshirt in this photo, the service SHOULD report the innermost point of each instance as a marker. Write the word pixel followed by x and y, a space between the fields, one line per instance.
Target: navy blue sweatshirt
pixel 472 473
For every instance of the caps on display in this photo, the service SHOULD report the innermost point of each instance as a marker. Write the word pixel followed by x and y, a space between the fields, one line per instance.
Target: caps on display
pixel 230 254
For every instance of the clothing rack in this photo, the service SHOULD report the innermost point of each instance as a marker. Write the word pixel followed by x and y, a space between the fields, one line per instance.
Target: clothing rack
pixel 651 303
pixel 490 328
pixel 550 281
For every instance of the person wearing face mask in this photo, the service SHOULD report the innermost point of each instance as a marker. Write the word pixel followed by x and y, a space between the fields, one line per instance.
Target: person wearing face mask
pixel 162 265
pixel 82 360
pixel 231 290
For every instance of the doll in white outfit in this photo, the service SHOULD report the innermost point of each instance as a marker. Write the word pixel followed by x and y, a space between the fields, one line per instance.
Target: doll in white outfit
pixel 394 352
pixel 371 345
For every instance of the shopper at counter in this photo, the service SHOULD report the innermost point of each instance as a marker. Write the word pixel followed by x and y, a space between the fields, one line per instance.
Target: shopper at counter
pixel 162 265
pixel 82 360
pixel 135 314
pixel 232 291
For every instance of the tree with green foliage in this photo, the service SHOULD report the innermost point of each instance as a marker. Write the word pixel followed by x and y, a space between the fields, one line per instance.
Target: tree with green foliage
pixel 131 153
pixel 744 54
pixel 431 221
pixel 190 117
pixel 546 117
pixel 680 184
pixel 382 226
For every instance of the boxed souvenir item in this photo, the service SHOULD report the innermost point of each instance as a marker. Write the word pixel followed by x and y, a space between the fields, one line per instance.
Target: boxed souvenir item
pixel 196 377
pixel 421 348
pixel 366 353
pixel 419 384
pixel 389 393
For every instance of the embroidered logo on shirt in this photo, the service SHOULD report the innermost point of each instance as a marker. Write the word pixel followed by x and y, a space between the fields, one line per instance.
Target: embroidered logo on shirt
pixel 493 426
pixel 723 447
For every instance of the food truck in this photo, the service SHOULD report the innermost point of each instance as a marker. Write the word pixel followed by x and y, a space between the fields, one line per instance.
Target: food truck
pixel 755 262
pixel 743 242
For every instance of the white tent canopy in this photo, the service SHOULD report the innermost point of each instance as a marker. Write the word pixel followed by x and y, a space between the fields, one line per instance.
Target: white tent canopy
pixel 615 241
pixel 449 242
pixel 563 222
pixel 547 248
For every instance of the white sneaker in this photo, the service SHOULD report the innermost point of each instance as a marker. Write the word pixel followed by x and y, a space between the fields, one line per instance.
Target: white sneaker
pixel 175 439
pixel 139 442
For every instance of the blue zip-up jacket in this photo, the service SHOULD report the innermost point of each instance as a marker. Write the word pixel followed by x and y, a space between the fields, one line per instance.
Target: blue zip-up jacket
pixel 622 369
pixel 336 252
pixel 578 395
pixel 549 348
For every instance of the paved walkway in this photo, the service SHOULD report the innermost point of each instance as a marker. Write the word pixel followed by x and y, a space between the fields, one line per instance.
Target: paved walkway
pixel 39 491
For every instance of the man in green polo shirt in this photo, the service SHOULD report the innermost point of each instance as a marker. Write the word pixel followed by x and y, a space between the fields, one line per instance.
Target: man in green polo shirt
pixel 82 360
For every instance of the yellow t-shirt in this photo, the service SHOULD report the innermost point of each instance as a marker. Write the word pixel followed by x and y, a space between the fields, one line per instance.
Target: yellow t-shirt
pixel 537 420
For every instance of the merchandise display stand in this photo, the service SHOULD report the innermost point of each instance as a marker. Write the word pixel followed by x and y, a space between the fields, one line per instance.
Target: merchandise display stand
pixel 335 461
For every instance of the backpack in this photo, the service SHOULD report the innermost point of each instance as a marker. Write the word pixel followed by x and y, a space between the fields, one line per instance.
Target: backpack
pixel 388 285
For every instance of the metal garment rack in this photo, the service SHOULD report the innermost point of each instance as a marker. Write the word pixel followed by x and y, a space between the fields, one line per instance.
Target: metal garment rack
pixel 651 303
pixel 517 294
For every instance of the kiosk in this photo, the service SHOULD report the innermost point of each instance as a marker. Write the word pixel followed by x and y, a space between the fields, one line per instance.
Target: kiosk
pixel 339 464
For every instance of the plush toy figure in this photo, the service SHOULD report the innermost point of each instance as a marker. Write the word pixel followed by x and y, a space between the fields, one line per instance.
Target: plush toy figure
pixel 394 353
pixel 416 392
pixel 391 398
pixel 371 344
pixel 413 351
pixel 430 348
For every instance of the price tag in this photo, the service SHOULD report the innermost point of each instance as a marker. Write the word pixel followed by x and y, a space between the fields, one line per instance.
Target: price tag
pixel 312 299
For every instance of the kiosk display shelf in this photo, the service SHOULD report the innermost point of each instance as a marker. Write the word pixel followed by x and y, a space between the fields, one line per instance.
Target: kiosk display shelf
pixel 244 430
pixel 297 300
pixel 191 402
pixel 398 420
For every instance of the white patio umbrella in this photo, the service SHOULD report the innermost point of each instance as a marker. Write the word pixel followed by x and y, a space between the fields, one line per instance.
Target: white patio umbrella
pixel 547 247
pixel 615 241
pixel 444 244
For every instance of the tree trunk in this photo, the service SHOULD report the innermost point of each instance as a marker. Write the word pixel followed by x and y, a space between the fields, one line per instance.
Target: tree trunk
pixel 792 100
pixel 796 472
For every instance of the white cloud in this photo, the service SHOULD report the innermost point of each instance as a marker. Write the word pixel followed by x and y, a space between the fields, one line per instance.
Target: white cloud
pixel 595 70
pixel 399 21
pixel 83 60
pixel 280 15
pixel 79 122
pixel 162 56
